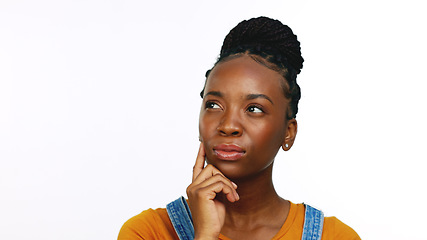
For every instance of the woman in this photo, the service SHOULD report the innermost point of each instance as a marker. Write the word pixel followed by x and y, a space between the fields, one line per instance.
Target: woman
pixel 250 101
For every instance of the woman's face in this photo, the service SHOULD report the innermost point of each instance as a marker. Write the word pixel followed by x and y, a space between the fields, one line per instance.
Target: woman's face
pixel 243 117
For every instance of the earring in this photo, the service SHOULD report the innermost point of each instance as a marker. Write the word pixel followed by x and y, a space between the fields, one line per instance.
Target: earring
pixel 286 145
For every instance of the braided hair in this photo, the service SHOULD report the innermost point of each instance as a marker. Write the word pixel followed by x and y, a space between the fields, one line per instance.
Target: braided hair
pixel 271 44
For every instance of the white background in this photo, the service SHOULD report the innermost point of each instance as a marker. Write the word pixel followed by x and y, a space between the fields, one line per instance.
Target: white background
pixel 99 104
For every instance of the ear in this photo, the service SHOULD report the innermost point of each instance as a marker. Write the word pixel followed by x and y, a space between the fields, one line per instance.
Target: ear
pixel 291 133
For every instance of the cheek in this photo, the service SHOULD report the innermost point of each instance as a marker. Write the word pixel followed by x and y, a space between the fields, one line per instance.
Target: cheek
pixel 207 132
pixel 270 136
pixel 205 127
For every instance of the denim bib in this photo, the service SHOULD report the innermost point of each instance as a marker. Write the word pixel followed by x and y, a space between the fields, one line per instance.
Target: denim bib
pixel 180 216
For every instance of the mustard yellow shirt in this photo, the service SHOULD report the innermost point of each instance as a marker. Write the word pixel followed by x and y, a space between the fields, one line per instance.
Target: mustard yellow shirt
pixel 155 224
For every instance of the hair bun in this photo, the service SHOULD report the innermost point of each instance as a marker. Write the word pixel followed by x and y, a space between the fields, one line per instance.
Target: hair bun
pixel 266 33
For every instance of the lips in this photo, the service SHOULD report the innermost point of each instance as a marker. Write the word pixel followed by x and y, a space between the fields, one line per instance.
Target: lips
pixel 229 152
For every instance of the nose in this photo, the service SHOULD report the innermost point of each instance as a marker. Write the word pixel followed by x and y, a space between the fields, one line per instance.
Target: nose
pixel 230 125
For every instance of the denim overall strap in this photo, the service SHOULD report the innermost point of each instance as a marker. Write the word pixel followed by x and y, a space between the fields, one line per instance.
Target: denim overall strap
pixel 180 216
pixel 313 224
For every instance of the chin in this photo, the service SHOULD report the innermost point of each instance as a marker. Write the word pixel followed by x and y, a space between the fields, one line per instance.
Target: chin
pixel 231 171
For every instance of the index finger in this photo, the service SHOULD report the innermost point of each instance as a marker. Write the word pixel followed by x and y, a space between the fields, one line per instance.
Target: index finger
pixel 200 161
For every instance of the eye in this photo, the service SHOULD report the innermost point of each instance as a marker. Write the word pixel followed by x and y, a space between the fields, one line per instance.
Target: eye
pixel 211 105
pixel 255 109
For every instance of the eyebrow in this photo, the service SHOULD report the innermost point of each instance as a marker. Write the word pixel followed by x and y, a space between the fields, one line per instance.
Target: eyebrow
pixel 214 93
pixel 254 96
pixel 248 97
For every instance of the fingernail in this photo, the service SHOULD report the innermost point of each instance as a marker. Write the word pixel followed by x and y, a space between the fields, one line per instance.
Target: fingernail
pixel 234 185
pixel 237 196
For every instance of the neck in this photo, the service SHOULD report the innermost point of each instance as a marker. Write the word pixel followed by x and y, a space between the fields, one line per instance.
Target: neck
pixel 258 201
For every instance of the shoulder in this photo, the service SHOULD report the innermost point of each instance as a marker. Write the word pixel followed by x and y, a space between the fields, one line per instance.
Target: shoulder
pixel 149 224
pixel 333 228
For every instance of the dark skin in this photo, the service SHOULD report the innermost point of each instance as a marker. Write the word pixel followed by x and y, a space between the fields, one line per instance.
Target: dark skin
pixel 243 106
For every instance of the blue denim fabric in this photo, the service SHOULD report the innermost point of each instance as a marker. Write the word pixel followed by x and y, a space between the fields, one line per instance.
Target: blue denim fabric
pixel 313 224
pixel 180 216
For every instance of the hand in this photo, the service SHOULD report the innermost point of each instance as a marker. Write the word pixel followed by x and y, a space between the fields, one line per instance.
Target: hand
pixel 208 213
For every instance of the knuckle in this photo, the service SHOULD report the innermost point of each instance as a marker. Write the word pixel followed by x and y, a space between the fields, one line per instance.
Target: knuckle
pixel 191 189
pixel 217 177
pixel 221 184
pixel 188 190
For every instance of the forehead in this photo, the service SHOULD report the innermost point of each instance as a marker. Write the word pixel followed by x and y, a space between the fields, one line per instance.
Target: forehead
pixel 243 75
